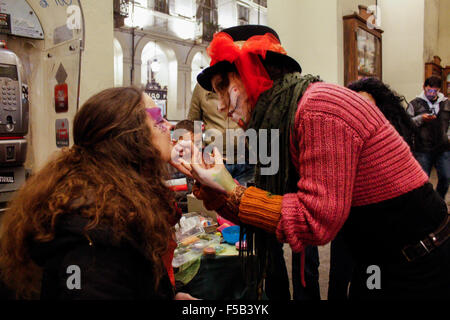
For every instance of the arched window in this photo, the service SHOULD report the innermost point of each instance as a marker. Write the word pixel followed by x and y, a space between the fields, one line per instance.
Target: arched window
pixel 118 64
pixel 154 64
pixel 155 74
pixel 199 62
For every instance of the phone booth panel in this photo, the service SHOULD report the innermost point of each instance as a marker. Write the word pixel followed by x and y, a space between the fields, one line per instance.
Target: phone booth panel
pixel 47 40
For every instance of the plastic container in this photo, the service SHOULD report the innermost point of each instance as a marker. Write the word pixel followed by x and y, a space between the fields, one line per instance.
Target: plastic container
pixel 231 234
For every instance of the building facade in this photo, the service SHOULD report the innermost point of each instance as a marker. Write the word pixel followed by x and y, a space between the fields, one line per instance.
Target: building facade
pixel 161 44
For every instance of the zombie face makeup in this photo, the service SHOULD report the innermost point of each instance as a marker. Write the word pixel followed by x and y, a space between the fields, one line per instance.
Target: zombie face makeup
pixel 431 93
pixel 233 98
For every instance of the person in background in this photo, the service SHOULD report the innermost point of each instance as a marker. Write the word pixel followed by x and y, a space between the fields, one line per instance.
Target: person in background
pixel 96 222
pixel 430 112
pixel 188 126
pixel 204 107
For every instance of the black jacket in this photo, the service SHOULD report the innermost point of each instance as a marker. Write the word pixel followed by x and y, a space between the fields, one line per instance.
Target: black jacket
pixel 107 270
pixel 432 136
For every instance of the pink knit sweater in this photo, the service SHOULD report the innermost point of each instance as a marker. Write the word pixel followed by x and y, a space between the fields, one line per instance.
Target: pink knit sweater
pixel 347 155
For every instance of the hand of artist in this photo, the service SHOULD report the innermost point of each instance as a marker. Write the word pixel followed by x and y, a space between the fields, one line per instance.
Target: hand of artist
pixel 210 171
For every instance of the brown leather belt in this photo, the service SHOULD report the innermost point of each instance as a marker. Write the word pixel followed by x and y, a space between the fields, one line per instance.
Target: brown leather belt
pixel 431 242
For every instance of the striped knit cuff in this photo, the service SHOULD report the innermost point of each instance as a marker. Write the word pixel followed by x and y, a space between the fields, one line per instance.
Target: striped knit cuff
pixel 261 209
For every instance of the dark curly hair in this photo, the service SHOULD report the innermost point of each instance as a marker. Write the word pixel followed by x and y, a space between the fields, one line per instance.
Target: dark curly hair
pixel 390 104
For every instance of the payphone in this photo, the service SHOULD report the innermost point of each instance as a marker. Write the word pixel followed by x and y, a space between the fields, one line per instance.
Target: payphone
pixel 14 115
pixel 13 96
pixel 44 44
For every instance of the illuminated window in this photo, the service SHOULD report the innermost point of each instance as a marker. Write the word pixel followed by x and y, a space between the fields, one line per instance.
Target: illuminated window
pixel 141 3
pixel 199 62
pixel 161 6
pixel 262 3
pixel 118 64
pixel 207 13
pixel 243 14
pixel 121 12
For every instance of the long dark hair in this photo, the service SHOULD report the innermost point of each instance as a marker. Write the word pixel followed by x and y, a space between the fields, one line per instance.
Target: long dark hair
pixel 390 104
pixel 112 161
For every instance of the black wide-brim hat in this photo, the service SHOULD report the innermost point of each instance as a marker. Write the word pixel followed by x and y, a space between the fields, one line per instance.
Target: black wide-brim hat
pixel 243 33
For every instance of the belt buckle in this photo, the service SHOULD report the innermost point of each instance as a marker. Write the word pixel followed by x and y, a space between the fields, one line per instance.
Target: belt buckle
pixel 415 254
pixel 424 246
pixel 429 244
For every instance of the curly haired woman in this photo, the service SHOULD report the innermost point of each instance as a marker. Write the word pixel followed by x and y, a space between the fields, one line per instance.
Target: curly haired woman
pixel 100 209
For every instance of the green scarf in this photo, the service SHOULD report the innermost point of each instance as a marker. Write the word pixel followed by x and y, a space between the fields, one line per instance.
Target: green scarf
pixel 276 109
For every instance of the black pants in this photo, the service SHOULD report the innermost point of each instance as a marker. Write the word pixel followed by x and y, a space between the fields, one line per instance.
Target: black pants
pixel 277 281
pixel 312 289
pixel 425 278
pixel 376 234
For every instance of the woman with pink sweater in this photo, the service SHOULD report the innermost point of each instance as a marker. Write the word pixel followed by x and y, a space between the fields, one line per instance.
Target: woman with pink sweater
pixel 342 167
